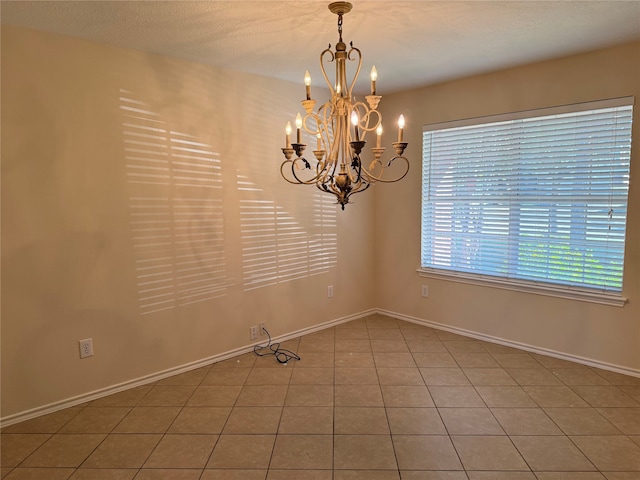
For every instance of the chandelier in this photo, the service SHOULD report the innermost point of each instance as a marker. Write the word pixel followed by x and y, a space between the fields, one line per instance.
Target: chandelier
pixel 340 127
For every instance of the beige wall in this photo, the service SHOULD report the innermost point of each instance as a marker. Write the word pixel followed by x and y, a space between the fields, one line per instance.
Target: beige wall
pixel 72 258
pixel 609 335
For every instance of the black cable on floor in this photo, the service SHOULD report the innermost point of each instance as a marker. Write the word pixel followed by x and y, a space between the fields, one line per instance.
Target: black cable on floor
pixel 281 354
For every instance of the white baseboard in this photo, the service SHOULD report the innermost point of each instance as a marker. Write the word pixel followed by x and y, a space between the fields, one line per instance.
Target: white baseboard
pixel 154 377
pixel 508 343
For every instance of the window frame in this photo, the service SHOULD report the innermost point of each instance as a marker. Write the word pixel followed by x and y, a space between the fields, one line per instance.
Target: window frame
pixel 606 297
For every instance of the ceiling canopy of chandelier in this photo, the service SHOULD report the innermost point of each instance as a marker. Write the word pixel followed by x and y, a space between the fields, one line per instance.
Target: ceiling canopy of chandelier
pixel 340 127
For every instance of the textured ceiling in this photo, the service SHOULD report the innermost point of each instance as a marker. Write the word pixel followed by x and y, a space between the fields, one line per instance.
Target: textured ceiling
pixel 412 43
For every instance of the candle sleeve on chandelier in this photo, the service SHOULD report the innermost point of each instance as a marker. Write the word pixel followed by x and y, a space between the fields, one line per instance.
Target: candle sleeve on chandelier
pixel 298 128
pixel 400 127
pixel 307 84
pixel 374 77
pixel 319 137
pixel 287 130
pixel 354 122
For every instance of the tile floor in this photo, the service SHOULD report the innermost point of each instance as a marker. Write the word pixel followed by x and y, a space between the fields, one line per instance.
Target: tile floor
pixel 374 399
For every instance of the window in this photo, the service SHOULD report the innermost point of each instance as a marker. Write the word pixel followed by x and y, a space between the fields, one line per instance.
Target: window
pixel 533 201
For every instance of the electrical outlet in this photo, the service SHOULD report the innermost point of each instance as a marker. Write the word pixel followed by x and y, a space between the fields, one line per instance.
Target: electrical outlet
pixel 425 290
pixel 253 332
pixel 263 326
pixel 86 348
pixel 330 291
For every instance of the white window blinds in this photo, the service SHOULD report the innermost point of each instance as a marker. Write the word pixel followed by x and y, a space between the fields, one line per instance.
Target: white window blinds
pixel 537 196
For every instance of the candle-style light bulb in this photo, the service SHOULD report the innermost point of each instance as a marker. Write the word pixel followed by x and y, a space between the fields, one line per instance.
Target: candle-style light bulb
pixel 379 136
pixel 298 128
pixel 374 77
pixel 400 127
pixel 287 130
pixel 354 122
pixel 319 137
pixel 307 84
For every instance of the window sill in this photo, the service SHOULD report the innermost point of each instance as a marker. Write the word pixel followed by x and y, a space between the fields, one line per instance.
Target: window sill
pixel 559 291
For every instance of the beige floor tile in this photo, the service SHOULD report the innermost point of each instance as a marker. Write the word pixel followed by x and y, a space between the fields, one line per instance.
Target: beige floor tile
pixel 444 396
pixel 380 321
pixel 309 396
pixel 123 451
pixel 406 396
pixel 182 451
pixel 605 396
pixel 425 452
pixel 316 360
pixel 300 474
pixel 610 453
pixel 533 376
pixel 148 420
pixel 358 396
pixel 569 476
pixel 352 346
pixel 245 420
pixel 427 359
pixel 192 377
pixel 426 346
pixel 385 334
pixel 49 423
pixel 200 420
pixel 400 376
pixel 551 453
pixel 615 378
pixel 168 474
pixel 470 421
pixel 352 334
pixel 554 396
pixel 551 362
pixel 262 396
pixel 366 474
pixel 229 474
pixel 304 452
pixel 632 390
pixel 579 376
pixel 306 420
pixel 363 452
pixel 627 420
pixel 40 474
pixel 479 475
pixel 15 447
pixel 622 475
pixel 525 421
pixel 433 475
pixel 354 359
pixel 499 396
pixel 168 396
pixel 231 452
pixel 487 452
pixel 488 376
pixel 517 360
pixel 389 346
pixel 215 396
pixel 64 450
pixel 464 345
pixel 226 376
pixel 581 421
pixel 104 474
pixel 394 360
pixel 475 360
pixel 356 376
pixel 360 420
pixel 415 421
pixel 444 376
pixel 312 376
pixel 269 376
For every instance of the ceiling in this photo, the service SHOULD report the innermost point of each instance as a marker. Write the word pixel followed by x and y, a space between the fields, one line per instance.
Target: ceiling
pixel 412 43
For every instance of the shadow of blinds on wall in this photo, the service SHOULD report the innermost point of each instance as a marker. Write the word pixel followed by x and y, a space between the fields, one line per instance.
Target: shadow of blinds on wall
pixel 276 248
pixel 175 200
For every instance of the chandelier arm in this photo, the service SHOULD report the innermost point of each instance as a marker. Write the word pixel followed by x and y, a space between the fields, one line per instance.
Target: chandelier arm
pixel 323 70
pixel 355 77
pixel 298 181
pixel 374 178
